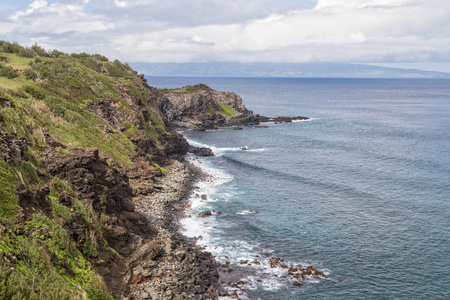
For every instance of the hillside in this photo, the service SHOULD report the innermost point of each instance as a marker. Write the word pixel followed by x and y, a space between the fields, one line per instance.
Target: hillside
pixel 82 145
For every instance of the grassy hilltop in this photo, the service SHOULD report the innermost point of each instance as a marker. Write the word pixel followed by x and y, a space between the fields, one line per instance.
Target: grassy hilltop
pixel 58 113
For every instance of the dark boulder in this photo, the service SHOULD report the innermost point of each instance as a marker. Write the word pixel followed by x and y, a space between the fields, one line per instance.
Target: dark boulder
pixel 200 151
pixel 205 213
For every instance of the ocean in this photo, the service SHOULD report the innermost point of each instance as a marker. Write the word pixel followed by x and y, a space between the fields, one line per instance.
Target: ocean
pixel 361 191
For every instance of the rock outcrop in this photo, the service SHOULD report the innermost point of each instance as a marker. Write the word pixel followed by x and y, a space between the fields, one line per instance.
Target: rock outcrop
pixel 199 107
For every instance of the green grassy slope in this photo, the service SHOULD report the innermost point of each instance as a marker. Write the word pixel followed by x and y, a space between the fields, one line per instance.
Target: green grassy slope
pixel 48 94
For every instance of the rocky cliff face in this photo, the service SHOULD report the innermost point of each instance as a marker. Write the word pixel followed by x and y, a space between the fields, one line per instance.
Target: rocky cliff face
pixel 84 157
pixel 200 107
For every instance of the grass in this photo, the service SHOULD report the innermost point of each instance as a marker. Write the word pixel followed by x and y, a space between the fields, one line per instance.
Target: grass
pixel 226 111
pixel 8 198
pixel 49 92
pixel 33 277
pixel 186 89
pixel 136 91
pixel 16 61
pixel 12 84
pixel 68 122
pixel 159 167
pixel 117 69
pixel 58 209
pixel 47 265
pixel 68 79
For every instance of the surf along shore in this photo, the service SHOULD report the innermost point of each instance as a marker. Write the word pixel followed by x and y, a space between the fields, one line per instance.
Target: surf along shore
pixel 240 269
pixel 183 187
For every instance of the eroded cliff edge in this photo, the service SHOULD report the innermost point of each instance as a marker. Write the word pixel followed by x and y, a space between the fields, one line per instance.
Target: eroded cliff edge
pixel 199 107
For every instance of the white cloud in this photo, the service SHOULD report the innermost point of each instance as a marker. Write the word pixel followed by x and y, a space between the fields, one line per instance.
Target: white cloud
pixel 321 4
pixel 36 5
pixel 120 3
pixel 258 30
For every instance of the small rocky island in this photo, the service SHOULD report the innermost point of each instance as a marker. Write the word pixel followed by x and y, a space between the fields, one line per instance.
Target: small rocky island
pixel 93 180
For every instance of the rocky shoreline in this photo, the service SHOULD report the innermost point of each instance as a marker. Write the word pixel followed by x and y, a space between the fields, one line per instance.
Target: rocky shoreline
pixel 178 269
pixel 234 275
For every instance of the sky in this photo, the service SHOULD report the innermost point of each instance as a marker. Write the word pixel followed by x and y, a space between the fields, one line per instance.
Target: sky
pixel 382 32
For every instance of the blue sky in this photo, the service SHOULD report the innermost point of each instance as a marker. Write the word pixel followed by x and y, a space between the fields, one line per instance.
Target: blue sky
pixel 397 32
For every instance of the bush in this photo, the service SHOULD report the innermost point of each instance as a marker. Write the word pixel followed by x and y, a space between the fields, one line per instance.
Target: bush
pixel 8 72
pixel 39 50
pixel 26 52
pixel 34 92
pixel 12 47
pixel 30 74
pixel 100 57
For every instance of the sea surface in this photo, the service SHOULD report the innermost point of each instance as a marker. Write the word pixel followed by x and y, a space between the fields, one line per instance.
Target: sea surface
pixel 361 191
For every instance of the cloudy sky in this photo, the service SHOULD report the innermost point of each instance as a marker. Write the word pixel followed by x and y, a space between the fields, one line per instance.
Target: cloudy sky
pixel 400 32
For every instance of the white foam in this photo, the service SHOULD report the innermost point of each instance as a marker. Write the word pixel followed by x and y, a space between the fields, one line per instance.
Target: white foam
pixel 268 284
pixel 247 212
pixel 192 226
pixel 196 144
pixel 210 235
pixel 307 120
pixel 220 151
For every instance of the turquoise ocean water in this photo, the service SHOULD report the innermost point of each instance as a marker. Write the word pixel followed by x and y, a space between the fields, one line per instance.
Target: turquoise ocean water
pixel 362 191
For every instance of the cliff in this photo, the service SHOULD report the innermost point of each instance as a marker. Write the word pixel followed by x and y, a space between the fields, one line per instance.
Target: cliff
pixel 199 107
pixel 86 202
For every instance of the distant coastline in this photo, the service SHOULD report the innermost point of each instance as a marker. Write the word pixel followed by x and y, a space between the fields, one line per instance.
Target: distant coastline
pixel 288 70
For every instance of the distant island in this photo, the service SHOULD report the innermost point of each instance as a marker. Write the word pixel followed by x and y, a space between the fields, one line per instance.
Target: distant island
pixel 235 69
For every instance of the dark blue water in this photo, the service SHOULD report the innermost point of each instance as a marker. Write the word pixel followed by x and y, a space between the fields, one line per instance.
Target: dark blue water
pixel 362 191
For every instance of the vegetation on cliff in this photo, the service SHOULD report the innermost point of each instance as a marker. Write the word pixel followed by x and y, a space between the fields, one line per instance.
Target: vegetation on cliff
pixel 67 124
pixel 199 107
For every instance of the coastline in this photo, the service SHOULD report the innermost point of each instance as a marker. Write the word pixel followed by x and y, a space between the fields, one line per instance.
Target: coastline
pixel 243 266
pixel 186 272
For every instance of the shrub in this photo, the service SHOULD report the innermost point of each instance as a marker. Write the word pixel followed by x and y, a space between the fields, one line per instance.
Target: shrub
pixel 8 72
pixel 39 50
pixel 26 52
pixel 30 74
pixel 100 57
pixel 34 92
pixel 11 47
